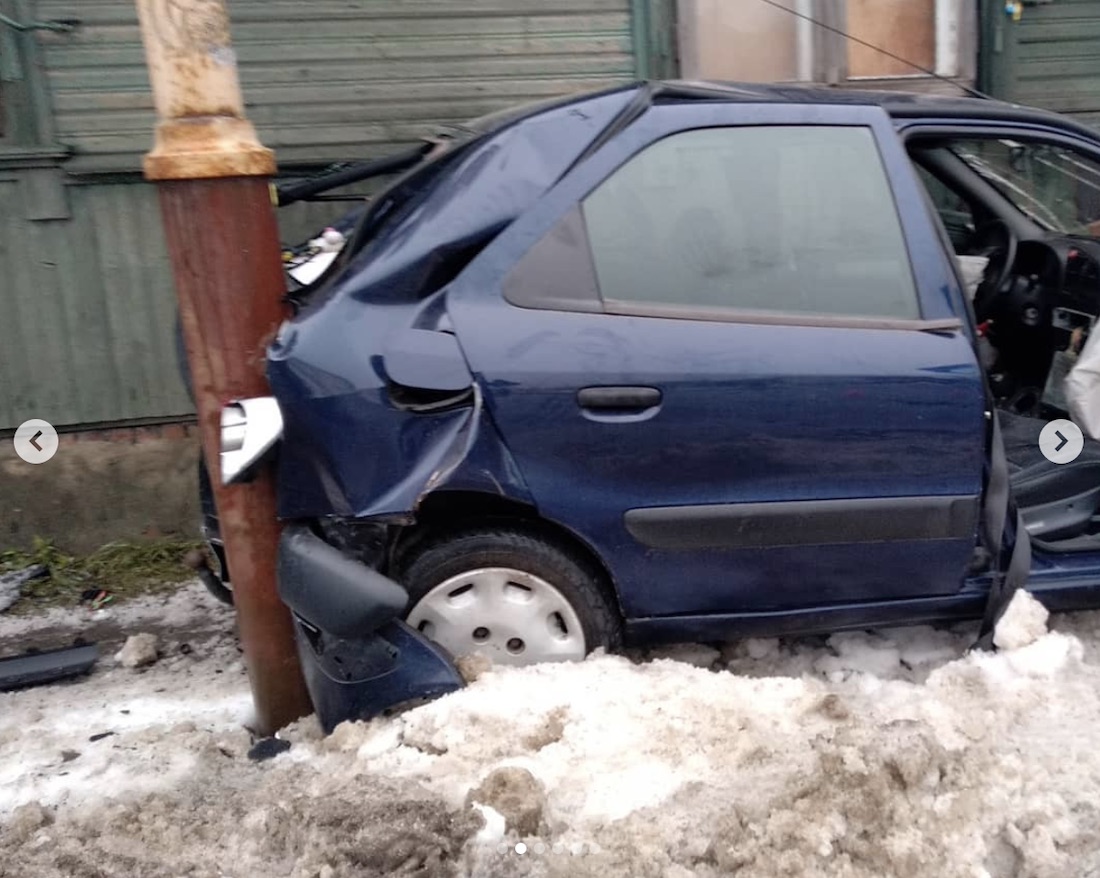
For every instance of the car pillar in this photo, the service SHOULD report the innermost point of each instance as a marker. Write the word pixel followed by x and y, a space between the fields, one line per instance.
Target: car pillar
pixel 212 175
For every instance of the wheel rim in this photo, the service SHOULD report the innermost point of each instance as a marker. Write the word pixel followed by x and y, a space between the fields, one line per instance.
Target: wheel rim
pixel 513 617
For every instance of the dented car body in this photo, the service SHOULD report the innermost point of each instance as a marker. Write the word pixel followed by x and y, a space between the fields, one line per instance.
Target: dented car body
pixel 501 398
pixel 381 324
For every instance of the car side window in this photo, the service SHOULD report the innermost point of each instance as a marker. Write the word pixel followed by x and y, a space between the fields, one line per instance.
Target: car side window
pixel 788 219
pixel 957 216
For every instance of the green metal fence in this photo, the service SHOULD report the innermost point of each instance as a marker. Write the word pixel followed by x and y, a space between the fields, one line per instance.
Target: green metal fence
pixel 87 325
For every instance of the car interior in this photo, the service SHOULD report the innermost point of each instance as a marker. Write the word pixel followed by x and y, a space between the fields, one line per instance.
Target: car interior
pixel 1024 220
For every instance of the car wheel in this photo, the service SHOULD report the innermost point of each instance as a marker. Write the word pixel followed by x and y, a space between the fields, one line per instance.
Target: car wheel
pixel 514 596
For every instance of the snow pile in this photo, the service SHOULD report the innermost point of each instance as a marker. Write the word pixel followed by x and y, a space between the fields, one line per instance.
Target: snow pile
pixel 866 754
pixel 1024 621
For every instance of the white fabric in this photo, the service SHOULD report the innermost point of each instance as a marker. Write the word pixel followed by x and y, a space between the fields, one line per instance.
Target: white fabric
pixel 973 270
pixel 1083 387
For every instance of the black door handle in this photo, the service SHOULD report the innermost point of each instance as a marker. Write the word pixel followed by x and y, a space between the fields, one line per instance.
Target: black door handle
pixel 618 398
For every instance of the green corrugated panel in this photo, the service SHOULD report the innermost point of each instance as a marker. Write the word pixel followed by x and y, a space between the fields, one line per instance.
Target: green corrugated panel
pixel 339 80
pixel 87 334
pixel 1050 58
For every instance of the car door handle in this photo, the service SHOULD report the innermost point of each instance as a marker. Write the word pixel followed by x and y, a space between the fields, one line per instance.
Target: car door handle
pixel 618 399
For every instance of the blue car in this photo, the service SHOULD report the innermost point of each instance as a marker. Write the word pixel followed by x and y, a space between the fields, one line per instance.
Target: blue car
pixel 685 361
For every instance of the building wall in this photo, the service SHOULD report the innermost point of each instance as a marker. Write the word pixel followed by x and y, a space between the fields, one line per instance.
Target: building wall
pixel 102 486
pixel 87 336
pixel 331 80
pixel 1049 58
pixel 753 41
pixel 750 42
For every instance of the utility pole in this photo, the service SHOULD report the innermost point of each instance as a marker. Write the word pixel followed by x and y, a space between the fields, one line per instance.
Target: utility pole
pixel 212 177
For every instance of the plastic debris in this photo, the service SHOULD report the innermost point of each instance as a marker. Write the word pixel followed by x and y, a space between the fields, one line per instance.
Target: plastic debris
pixel 268 748
pixel 96 598
pixel 11 584
pixel 37 667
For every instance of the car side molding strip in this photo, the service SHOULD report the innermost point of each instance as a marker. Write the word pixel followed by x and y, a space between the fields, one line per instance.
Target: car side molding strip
pixel 779 318
pixel 804 522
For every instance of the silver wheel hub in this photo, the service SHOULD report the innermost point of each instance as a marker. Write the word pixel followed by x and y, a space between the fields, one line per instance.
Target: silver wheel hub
pixel 513 617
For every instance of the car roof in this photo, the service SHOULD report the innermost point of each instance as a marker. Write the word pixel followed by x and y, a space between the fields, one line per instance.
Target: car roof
pixel 901 105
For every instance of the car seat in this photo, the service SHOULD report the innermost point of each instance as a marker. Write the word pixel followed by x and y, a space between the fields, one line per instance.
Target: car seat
pixel 1058 502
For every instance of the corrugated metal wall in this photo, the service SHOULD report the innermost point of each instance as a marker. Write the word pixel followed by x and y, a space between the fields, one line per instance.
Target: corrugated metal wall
pixel 339 79
pixel 87 331
pixel 1049 58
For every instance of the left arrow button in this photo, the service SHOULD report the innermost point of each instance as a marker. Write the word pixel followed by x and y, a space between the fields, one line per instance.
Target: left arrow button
pixel 35 441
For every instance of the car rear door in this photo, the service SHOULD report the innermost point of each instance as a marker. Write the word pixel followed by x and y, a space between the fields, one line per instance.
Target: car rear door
pixel 729 352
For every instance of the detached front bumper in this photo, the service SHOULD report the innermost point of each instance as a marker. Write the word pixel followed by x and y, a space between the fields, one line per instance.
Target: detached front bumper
pixel 359 659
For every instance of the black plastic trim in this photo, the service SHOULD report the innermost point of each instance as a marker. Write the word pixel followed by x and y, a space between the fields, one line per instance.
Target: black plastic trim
pixel 46 667
pixel 331 591
pixel 804 522
pixel 616 398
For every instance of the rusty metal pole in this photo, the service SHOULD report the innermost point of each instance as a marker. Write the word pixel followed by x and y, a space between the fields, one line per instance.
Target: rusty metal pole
pixel 212 177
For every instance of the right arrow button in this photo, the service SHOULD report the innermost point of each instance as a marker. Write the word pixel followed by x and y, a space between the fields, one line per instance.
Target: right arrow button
pixel 1061 441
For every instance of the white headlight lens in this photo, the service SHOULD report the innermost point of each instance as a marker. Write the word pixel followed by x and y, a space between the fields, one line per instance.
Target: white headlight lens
pixel 249 428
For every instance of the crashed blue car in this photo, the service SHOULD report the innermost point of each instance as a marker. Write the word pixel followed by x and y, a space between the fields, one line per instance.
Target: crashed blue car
pixel 684 361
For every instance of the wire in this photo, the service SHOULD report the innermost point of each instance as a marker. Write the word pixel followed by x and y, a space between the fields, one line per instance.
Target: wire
pixel 973 92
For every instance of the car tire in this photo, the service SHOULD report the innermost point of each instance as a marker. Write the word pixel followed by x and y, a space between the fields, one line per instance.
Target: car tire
pixel 515 595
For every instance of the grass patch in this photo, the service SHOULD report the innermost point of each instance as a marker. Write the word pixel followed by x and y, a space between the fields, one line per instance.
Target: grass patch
pixel 124 569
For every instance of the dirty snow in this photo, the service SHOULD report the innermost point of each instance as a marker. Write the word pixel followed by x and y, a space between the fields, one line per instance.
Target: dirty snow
pixel 186 607
pixel 890 753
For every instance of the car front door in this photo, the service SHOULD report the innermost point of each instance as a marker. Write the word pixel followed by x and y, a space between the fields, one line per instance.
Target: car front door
pixel 728 351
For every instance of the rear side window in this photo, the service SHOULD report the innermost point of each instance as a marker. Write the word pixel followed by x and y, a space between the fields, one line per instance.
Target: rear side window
pixel 784 220
pixel 779 219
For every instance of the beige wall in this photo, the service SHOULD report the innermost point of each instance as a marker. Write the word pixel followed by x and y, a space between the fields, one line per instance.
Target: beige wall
pixel 738 39
pixel 905 27
pixel 751 41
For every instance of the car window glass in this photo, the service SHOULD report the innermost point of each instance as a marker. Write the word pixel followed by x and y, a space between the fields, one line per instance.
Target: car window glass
pixel 781 219
pixel 1057 187
pixel 956 214
pixel 556 273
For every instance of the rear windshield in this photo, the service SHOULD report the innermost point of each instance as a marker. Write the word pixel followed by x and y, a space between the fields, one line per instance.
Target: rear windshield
pixel 397 201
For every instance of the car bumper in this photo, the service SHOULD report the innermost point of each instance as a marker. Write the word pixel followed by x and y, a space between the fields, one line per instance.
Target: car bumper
pixel 359 660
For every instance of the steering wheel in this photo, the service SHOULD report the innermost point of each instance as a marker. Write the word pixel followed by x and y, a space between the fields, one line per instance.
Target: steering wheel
pixel 995 241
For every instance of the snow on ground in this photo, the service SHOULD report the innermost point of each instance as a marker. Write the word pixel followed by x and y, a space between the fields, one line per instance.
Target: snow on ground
pixel 890 753
pixel 190 606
